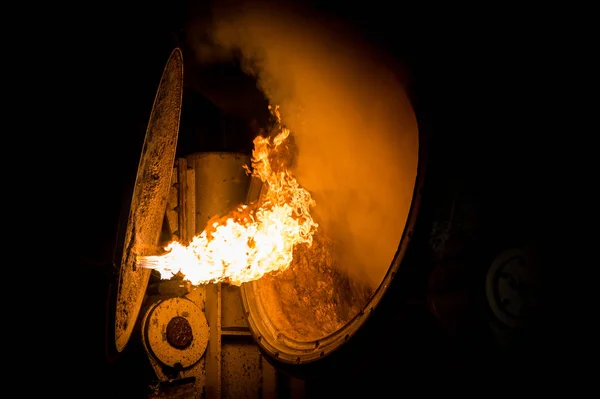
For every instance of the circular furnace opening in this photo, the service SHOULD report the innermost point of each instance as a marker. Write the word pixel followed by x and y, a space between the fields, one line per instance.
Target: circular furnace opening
pixel 313 307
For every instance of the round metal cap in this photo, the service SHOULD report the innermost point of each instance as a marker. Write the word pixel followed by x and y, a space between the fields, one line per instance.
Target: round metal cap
pixel 176 332
pixel 511 287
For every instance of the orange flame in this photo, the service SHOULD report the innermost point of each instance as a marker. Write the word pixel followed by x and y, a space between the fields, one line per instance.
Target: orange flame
pixel 249 242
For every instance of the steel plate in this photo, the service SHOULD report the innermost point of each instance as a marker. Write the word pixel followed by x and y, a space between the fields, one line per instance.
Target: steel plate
pixel 149 198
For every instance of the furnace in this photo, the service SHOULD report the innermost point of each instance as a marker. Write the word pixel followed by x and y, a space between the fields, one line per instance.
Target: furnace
pixel 217 339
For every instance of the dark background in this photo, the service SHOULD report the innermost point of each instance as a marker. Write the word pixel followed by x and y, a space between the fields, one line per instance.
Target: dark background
pixel 473 79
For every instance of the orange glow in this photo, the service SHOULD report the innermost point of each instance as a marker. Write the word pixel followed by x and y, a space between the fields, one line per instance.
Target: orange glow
pixel 252 240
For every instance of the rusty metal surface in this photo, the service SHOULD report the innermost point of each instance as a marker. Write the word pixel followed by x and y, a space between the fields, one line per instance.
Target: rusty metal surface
pixel 232 365
pixel 195 375
pixel 233 312
pixel 241 369
pixel 192 332
pixel 212 362
pixel 186 177
pixel 179 332
pixel 313 298
pixel 150 195
pixel 220 185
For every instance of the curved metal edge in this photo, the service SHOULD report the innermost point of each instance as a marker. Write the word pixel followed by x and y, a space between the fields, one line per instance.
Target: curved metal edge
pixel 490 287
pixel 145 322
pixel 296 352
pixel 112 349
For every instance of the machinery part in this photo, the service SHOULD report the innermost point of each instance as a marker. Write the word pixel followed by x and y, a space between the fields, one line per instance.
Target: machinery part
pixel 176 332
pixel 179 332
pixel 295 329
pixel 220 185
pixel 209 184
pixel 182 388
pixel 170 288
pixel 177 381
pixel 148 203
pixel 512 287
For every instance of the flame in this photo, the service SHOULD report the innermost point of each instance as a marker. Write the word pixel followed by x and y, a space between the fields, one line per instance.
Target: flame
pixel 250 241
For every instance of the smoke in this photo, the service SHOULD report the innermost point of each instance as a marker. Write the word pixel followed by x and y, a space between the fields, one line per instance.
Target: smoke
pixel 353 124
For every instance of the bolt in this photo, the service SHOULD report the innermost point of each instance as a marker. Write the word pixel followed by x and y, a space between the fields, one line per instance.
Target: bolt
pixel 179 332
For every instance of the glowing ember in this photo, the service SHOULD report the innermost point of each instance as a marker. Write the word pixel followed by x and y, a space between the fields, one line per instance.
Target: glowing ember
pixel 250 241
